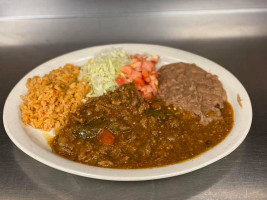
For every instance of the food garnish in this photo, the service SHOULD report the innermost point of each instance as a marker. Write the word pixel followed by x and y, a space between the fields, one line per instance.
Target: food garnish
pixel 101 71
pixel 143 73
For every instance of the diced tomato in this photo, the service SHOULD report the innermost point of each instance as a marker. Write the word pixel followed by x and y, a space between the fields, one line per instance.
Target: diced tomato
pixel 145 74
pixel 119 80
pixel 154 73
pixel 142 72
pixel 139 81
pixel 127 69
pixel 154 86
pixel 138 56
pixel 135 75
pixel 153 77
pixel 154 58
pixel 148 79
pixel 135 60
pixel 148 66
pixel 137 66
pixel 106 137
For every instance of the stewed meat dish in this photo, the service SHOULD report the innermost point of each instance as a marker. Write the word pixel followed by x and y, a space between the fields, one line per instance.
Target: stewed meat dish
pixel 121 129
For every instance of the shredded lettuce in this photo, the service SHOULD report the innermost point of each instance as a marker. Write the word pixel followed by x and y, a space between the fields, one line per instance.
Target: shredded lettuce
pixel 101 71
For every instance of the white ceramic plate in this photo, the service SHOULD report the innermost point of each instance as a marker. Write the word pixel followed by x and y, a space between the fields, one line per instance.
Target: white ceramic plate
pixel 32 142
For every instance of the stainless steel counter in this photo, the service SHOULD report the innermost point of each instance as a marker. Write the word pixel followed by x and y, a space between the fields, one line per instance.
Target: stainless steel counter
pixel 236 39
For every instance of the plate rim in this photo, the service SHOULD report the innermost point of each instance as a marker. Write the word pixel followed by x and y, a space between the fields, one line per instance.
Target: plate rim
pixel 126 178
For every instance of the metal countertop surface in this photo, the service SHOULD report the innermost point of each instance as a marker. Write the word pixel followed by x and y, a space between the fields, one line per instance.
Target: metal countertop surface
pixel 235 40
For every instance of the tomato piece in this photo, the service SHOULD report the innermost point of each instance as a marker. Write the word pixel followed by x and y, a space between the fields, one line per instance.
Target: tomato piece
pixel 120 81
pixel 154 73
pixel 134 60
pixel 135 75
pixel 106 137
pixel 127 69
pixel 154 58
pixel 148 66
pixel 145 74
pixel 138 57
pixel 142 73
pixel 139 81
pixel 154 86
pixel 153 77
pixel 137 66
pixel 148 79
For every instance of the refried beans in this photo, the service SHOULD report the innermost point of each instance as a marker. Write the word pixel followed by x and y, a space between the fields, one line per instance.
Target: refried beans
pixel 192 88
